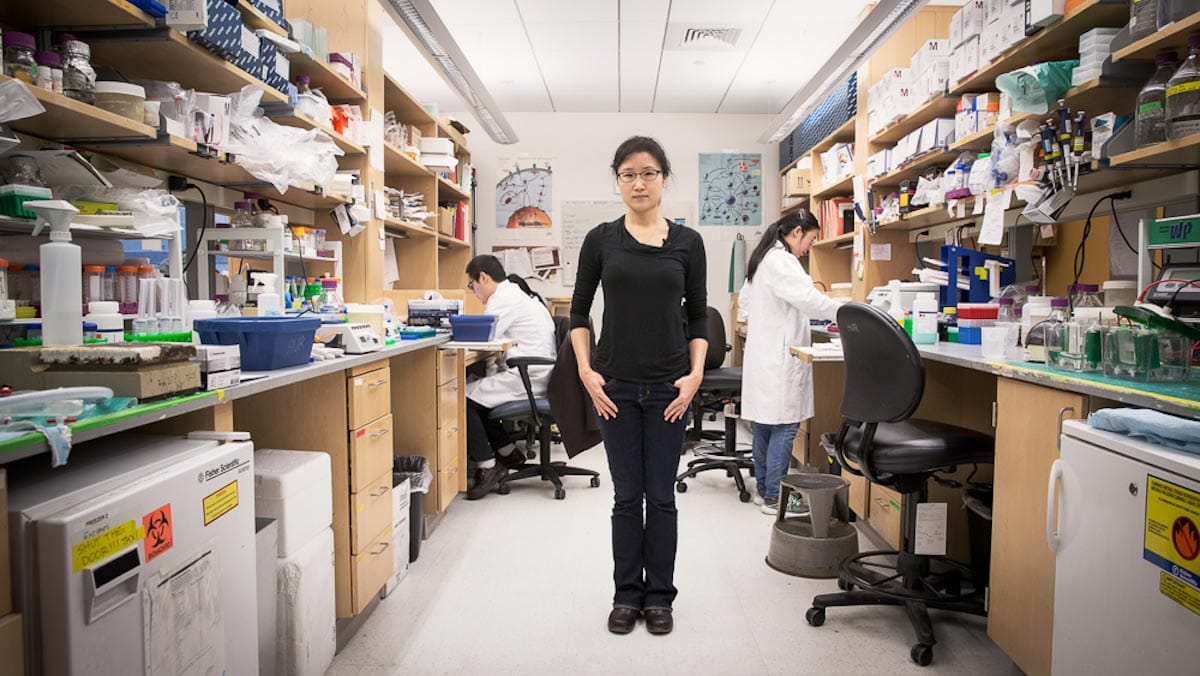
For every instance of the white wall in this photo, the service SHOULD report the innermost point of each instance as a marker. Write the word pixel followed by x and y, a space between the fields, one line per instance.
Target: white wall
pixel 581 146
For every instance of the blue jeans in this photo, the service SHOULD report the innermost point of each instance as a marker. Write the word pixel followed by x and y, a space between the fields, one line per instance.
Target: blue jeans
pixel 643 454
pixel 772 454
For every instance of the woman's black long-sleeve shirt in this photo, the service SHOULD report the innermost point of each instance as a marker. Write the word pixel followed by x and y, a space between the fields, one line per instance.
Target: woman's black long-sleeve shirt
pixel 645 334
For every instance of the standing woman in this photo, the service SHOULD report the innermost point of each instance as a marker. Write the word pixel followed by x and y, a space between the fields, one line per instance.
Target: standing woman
pixel 647 367
pixel 779 298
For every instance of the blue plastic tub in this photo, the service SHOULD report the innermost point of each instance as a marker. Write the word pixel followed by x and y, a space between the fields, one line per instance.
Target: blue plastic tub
pixel 267 343
pixel 473 328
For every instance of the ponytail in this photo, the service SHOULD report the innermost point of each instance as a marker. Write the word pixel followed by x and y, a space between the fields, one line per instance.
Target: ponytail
pixel 524 286
pixel 776 232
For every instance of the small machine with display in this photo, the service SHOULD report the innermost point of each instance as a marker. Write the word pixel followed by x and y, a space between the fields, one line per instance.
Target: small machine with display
pixel 1177 285
pixel 353 337
pixel 435 312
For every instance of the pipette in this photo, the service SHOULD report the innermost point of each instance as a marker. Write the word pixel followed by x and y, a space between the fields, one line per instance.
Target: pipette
pixel 1077 143
pixel 1044 135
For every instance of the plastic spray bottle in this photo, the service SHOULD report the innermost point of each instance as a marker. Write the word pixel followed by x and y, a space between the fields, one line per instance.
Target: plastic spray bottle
pixel 62 274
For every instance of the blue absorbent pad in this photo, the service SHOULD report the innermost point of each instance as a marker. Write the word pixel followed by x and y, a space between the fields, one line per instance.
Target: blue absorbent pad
pixel 1155 427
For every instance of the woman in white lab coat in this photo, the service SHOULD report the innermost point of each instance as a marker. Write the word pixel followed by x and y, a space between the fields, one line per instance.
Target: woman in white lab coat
pixel 778 299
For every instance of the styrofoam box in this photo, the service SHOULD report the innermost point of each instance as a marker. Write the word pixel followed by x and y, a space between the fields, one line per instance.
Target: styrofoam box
pixel 295 488
pixel 306 637
pixel 437 146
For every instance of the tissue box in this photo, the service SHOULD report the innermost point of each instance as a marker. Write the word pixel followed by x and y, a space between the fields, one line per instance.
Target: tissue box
pixel 964 60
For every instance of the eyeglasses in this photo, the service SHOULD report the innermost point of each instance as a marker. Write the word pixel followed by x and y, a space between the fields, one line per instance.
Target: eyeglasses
pixel 647 176
pixel 470 286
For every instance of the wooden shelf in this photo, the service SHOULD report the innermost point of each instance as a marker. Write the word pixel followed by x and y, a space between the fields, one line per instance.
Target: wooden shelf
pixel 72 14
pixel 843 134
pixel 938 106
pixel 834 242
pixel 801 204
pixel 68 120
pixel 254 19
pixel 460 141
pixel 914 168
pixel 980 140
pixel 396 163
pixel 408 228
pixel 1056 41
pixel 1184 152
pixel 406 107
pixel 303 121
pixel 166 54
pixel 453 242
pixel 321 75
pixel 843 187
pixel 1174 37
pixel 451 190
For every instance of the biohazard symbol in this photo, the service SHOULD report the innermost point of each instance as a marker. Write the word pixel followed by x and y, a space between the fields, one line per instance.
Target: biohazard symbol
pixel 1186 538
pixel 160 532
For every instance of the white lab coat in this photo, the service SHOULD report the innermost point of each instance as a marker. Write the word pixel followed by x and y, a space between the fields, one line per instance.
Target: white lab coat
pixel 777 387
pixel 528 322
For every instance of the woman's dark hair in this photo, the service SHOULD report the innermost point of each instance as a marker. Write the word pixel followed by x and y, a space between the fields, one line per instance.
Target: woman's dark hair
pixel 641 144
pixel 524 286
pixel 800 218
pixel 486 263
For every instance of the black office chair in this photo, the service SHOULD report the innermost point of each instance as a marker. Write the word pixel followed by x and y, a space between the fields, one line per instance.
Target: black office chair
pixel 534 414
pixel 885 380
pixel 720 387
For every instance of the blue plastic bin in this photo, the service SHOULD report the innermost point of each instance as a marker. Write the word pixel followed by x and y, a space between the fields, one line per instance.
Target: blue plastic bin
pixel 473 328
pixel 267 343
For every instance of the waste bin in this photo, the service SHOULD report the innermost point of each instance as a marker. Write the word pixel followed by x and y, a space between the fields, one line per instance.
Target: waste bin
pixel 978 501
pixel 416 468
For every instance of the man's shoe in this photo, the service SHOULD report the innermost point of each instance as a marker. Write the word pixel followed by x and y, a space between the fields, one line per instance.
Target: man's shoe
pixel 486 481
pixel 658 621
pixel 622 620
pixel 513 460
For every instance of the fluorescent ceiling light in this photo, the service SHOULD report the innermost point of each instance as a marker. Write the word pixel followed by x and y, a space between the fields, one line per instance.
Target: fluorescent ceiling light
pixel 879 24
pixel 425 27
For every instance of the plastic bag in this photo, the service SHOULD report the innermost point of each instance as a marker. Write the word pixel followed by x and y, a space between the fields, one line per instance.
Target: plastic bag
pixel 17 102
pixel 282 156
pixel 980 179
pixel 417 469
pixel 1034 88
pixel 155 212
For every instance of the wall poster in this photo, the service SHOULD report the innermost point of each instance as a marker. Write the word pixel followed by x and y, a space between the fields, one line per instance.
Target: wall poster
pixel 730 189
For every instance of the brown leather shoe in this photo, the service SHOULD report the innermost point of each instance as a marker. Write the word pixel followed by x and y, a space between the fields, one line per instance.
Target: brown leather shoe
pixel 658 620
pixel 622 620
pixel 513 460
pixel 486 481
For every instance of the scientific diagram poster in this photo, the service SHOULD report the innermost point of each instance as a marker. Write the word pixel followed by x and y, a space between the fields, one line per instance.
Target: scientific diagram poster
pixel 730 189
pixel 524 194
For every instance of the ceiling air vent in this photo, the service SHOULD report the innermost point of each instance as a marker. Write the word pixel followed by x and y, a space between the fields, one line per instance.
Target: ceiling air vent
pixel 710 37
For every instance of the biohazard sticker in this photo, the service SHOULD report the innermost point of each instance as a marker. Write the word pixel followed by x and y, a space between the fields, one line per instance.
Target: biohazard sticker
pixel 160 532
pixel 1172 539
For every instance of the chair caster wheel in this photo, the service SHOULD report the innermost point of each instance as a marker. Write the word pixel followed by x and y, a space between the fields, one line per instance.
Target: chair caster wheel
pixel 595 482
pixel 744 496
pixel 531 455
pixel 503 489
pixel 680 487
pixel 729 473
pixel 844 585
pixel 815 617
pixel 559 494
pixel 922 654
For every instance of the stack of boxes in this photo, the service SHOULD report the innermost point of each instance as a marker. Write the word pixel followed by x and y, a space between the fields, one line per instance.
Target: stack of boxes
pixel 879 164
pixel 975 113
pixel 890 99
pixel 983 30
pixel 930 67
pixel 965 29
pixel 220 366
pixel 217 26
pixel 937 133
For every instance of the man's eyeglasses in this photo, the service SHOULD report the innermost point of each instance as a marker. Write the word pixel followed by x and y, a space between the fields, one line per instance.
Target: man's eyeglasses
pixel 470 285
pixel 647 176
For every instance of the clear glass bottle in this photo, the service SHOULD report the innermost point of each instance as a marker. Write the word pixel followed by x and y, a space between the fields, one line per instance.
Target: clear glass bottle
pixel 1150 113
pixel 19 61
pixel 243 217
pixel 1007 312
pixel 1183 95
pixel 79 78
pixel 302 85
pixel 1085 295
pixel 330 300
pixel 1143 18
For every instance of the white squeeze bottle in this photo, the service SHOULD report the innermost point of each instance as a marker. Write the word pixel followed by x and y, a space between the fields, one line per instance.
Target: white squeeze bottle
pixel 925 319
pixel 269 302
pixel 62 274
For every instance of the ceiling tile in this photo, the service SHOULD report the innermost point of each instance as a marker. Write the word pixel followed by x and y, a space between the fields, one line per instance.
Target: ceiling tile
pixel 558 10
pixel 641 45
pixel 583 39
pixel 724 11
pixel 457 12
pixel 688 79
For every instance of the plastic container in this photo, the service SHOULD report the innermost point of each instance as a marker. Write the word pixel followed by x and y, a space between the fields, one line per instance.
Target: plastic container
pixel 19 61
pixel 473 328
pixel 47 62
pixel 972 317
pixel 14 196
pixel 150 113
pixel 106 315
pixel 267 343
pixel 1150 119
pixel 127 289
pixel 1119 292
pixel 1183 94
pixel 925 319
pixel 330 300
pixel 93 284
pixel 124 99
pixel 1066 346
pixel 1146 355
pixel 1006 311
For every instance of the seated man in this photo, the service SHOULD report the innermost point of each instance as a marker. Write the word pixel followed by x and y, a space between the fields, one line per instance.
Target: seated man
pixel 520 316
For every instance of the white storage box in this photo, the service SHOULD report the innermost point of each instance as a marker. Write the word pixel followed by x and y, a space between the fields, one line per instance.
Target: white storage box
pixel 935 134
pixel 929 52
pixel 437 146
pixel 296 489
pixel 306 637
pixel 401 535
pixel 964 60
pixel 266 536
pixel 438 161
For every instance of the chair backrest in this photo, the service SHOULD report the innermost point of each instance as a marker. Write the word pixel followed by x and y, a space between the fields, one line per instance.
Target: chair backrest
pixel 562 329
pixel 717 347
pixel 885 377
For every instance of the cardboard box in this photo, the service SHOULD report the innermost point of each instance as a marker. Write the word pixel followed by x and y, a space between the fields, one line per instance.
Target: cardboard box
pixel 446 220
pixel 12 644
pixel 219 380
pixel 187 15
pixel 1044 12
pixel 213 358
pixel 796 182
pixel 5 566
pixel 966 123
pixel 222 35
pixel 993 9
pixel 880 163
pixel 1013 27
pixel 964 60
pixel 927 53
pixel 972 19
pixel 273 9
pixel 935 80
pixel 936 134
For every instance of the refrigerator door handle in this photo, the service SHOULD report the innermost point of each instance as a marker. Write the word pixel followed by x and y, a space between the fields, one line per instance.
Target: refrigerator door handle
pixel 1052 526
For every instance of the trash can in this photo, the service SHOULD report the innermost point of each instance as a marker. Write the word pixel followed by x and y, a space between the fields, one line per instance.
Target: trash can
pixel 416 468
pixel 978 501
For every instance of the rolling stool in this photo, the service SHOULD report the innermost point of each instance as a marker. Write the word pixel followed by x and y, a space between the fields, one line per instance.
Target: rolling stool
pixel 813 545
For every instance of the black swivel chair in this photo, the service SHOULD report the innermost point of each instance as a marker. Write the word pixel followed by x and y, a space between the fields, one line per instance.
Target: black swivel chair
pixel 720 387
pixel 534 413
pixel 885 380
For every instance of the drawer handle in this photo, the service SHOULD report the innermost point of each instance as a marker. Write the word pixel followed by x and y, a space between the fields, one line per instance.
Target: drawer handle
pixel 380 433
pixel 1062 412
pixel 377 383
pixel 381 492
pixel 383 547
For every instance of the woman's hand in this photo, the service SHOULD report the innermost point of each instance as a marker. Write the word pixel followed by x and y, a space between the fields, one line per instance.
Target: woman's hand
pixel 594 383
pixel 688 385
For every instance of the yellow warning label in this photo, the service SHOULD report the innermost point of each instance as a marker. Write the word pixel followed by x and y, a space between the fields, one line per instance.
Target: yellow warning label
pixel 1172 538
pixel 1179 592
pixel 101 546
pixel 1183 88
pixel 220 503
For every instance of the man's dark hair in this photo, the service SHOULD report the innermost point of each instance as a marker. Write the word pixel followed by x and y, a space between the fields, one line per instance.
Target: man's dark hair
pixel 486 263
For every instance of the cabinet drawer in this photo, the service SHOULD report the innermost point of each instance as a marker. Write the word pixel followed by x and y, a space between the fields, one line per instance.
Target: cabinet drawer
pixel 372 568
pixel 448 478
pixel 370 512
pixel 448 405
pixel 447 447
pixel 370 453
pixel 859 491
pixel 885 512
pixel 370 396
pixel 447 368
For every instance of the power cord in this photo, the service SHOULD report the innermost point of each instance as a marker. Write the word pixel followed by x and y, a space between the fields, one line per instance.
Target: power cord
pixel 1080 251
pixel 1113 209
pixel 180 184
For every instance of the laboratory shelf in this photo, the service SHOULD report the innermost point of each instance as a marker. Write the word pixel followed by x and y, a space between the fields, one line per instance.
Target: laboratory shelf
pixel 938 106
pixel 913 168
pixel 1174 36
pixel 835 242
pixel 843 134
pixel 842 188
pixel 407 228
pixel 254 19
pixel 406 107
pixel 1057 41
pixel 460 141
pixel 288 256
pixel 453 242
pixel 979 141
pixel 322 76
pixel 1180 153
pixel 448 189
pixel 296 118
pixel 67 120
pixel 166 54
pixel 28 14
pixel 396 163
pixel 24 226
pixel 801 203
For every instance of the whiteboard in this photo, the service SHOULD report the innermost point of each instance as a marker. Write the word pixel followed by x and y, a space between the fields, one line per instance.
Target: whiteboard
pixel 580 216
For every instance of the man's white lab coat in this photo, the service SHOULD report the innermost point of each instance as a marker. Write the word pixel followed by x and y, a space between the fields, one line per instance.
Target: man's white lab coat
pixel 528 322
